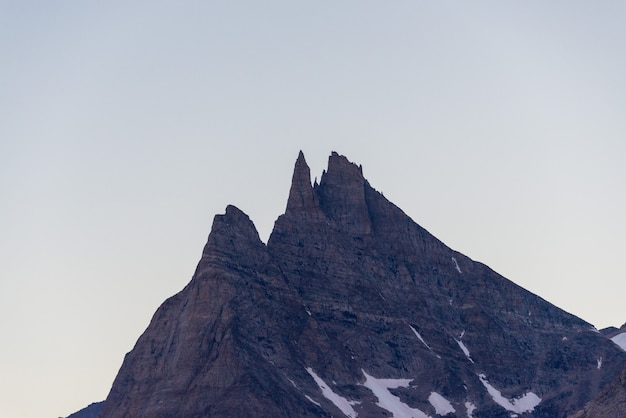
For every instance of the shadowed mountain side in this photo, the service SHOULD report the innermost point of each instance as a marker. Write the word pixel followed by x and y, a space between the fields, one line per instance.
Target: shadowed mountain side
pixel 90 411
pixel 347 287
pixel 610 403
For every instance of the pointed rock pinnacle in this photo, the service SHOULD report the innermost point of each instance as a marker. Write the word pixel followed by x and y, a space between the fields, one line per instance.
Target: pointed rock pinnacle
pixel 303 202
pixel 233 234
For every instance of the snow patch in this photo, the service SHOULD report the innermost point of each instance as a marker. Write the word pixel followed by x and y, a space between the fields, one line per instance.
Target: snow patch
pixel 465 350
pixel 417 334
pixel 470 409
pixel 525 403
pixel 456 265
pixel 389 401
pixel 620 340
pixel 309 398
pixel 442 405
pixel 599 363
pixel 340 402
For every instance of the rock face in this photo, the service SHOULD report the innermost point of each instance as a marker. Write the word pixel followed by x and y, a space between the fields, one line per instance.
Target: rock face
pixel 90 411
pixel 611 402
pixel 352 309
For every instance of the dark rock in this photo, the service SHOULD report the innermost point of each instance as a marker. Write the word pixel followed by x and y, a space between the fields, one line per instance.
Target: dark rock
pixel 347 287
pixel 610 403
pixel 90 411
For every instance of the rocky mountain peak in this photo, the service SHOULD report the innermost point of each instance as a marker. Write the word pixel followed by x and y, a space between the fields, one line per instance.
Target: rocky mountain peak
pixel 303 204
pixel 352 309
pixel 342 195
pixel 233 225
pixel 233 234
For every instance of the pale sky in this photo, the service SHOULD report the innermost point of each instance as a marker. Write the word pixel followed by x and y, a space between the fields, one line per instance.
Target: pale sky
pixel 126 126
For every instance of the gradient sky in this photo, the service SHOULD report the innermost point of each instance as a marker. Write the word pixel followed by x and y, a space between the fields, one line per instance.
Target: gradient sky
pixel 126 126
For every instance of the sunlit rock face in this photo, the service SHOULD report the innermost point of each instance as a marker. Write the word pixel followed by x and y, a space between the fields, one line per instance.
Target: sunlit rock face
pixel 352 309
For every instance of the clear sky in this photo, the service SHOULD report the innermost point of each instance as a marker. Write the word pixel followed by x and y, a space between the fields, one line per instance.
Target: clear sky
pixel 126 126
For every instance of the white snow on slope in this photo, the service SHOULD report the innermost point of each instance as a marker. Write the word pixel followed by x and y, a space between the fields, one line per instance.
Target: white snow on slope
pixel 525 403
pixel 465 350
pixel 470 409
pixel 389 401
pixel 599 363
pixel 442 405
pixel 340 402
pixel 417 334
pixel 456 265
pixel 620 339
pixel 311 399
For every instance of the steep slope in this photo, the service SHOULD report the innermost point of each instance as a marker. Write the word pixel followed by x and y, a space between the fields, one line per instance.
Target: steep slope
pixel 90 411
pixel 611 402
pixel 216 348
pixel 354 309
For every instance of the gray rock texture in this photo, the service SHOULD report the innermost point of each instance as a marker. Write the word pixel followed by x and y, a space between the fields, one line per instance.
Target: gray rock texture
pixel 349 285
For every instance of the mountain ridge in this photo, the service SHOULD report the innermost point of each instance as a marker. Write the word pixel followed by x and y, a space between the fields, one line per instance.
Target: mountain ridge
pixel 349 291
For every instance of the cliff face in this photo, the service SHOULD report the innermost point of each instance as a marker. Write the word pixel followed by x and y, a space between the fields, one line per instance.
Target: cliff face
pixel 352 309
pixel 611 402
pixel 208 350
pixel 90 411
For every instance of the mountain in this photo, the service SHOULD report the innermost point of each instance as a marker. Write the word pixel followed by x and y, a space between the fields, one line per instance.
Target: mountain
pixel 352 309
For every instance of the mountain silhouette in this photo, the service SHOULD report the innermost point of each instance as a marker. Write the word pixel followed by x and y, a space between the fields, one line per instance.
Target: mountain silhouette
pixel 353 309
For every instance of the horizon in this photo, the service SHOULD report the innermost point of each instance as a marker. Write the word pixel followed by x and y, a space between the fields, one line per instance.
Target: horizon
pixel 126 128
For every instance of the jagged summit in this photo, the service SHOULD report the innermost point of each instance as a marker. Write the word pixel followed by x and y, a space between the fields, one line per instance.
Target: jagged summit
pixel 342 195
pixel 235 225
pixel 352 309
pixel 302 203
pixel 339 197
pixel 232 233
pixel 343 199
